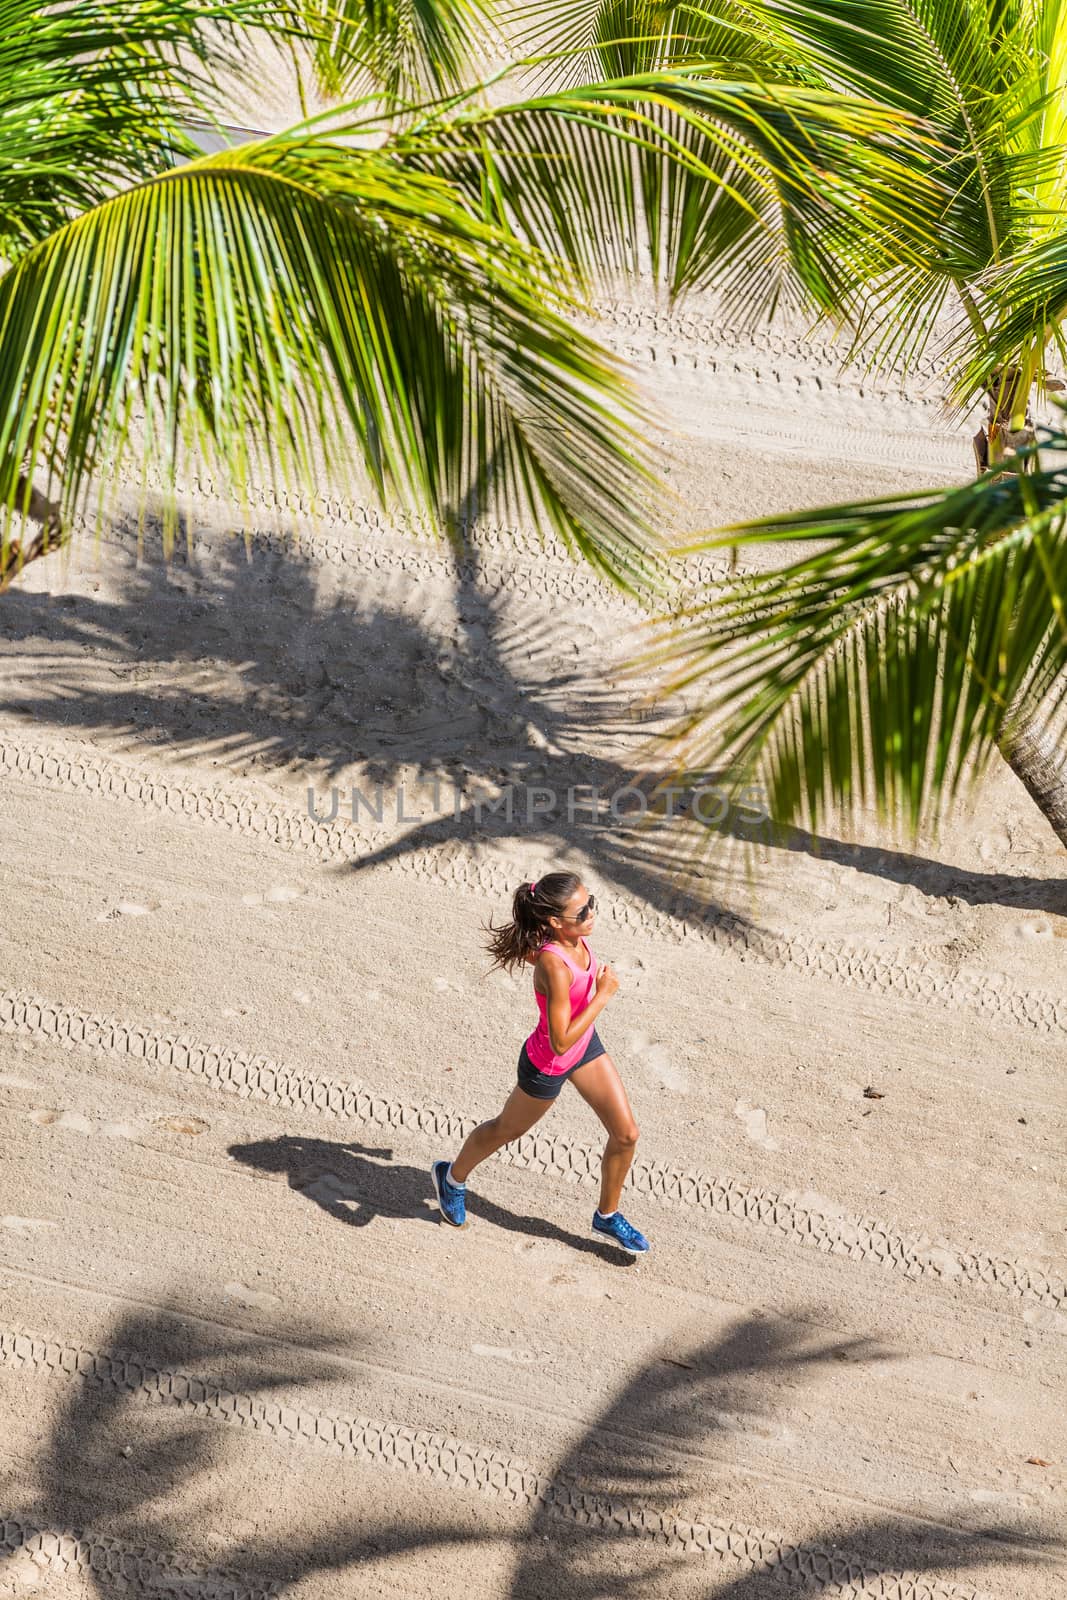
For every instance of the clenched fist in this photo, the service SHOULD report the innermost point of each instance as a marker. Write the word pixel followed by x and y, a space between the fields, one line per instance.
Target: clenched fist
pixel 607 983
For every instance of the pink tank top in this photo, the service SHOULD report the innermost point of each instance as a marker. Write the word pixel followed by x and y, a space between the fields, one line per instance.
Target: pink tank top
pixel 583 986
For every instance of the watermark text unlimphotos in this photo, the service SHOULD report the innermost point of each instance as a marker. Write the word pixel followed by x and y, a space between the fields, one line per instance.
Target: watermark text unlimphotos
pixel 711 801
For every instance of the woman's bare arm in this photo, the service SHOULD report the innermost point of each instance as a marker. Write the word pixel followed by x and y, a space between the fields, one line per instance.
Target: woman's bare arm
pixel 563 1030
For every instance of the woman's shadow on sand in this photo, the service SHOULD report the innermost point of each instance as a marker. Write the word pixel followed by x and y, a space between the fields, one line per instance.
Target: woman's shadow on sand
pixel 353 1183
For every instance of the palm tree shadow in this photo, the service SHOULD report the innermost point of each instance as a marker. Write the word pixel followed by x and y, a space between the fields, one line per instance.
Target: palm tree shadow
pixel 130 1456
pixel 331 677
pixel 946 882
pixel 684 854
pixel 312 671
pixel 674 1409
pixel 633 854
pixel 295 672
pixel 354 1183
pixel 116 1468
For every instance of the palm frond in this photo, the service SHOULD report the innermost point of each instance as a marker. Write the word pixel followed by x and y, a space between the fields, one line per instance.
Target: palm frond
pixel 1031 291
pixel 926 57
pixel 589 41
pixel 883 667
pixel 766 180
pixel 715 221
pixel 294 301
pixel 405 48
pixel 991 82
pixel 95 95
pixel 1046 81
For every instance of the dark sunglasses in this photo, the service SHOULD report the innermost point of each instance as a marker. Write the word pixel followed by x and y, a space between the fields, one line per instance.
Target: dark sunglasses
pixel 590 905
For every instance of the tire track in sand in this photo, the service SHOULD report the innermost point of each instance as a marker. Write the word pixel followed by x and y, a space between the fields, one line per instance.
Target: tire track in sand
pixel 355 535
pixel 460 1465
pixel 255 1077
pixel 753 348
pixel 53 766
pixel 142 1568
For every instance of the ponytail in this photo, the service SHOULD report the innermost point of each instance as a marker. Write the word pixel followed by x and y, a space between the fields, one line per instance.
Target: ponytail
pixel 532 905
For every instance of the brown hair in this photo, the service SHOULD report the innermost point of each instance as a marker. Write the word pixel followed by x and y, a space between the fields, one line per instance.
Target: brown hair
pixel 530 910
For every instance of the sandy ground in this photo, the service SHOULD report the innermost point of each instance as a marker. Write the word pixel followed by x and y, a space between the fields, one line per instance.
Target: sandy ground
pixel 840 1369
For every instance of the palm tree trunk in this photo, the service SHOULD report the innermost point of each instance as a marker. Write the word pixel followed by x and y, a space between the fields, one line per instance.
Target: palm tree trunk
pixel 1037 761
pixel 51 535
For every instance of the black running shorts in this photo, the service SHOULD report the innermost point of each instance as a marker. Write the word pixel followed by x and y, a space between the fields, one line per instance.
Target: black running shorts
pixel 547 1085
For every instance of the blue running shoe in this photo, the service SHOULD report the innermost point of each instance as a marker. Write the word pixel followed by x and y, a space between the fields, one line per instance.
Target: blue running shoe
pixel 619 1231
pixel 452 1200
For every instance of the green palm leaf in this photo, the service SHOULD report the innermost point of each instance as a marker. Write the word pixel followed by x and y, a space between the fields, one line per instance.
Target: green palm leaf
pixel 320 294
pixel 405 48
pixel 293 303
pixel 744 234
pixel 992 81
pixel 1030 292
pixel 586 41
pixel 94 95
pixel 883 668
pixel 773 184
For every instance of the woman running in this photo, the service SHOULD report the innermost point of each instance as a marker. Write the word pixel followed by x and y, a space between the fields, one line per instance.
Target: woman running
pixel 549 922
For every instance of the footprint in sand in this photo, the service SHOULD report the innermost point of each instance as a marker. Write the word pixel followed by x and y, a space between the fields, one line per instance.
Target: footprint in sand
pixel 754 1121
pixel 501 1353
pixel 127 908
pixel 1045 1318
pixel 557 1258
pixel 256 1299
pixel 542 1247
pixel 190 1126
pixel 944 1262
pixel 660 1063
pixel 27 1574
pixel 74 1122
pixel 821 1204
pixel 630 973
pixel 329 1189
pixel 279 894
pixel 25 1227
pixel 1001 1497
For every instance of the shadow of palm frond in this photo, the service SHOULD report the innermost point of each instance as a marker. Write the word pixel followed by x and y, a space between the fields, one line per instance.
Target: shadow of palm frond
pixel 936 879
pixel 130 1457
pixel 127 1463
pixel 338 679
pixel 476 703
pixel 656 1436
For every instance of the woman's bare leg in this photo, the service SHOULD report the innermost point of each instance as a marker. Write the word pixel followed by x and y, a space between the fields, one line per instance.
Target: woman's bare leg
pixel 599 1084
pixel 521 1111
